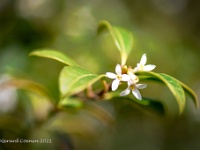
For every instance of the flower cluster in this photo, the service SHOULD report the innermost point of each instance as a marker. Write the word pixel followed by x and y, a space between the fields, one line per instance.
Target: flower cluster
pixel 124 74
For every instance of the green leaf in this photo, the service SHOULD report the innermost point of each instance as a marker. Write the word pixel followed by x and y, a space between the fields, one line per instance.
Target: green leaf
pixel 74 79
pixel 189 91
pixel 123 39
pixel 116 94
pixel 29 85
pixel 56 55
pixel 73 102
pixel 154 105
pixel 172 83
pixel 150 104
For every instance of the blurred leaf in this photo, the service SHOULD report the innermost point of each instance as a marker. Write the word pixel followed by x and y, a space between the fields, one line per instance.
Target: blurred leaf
pixel 73 102
pixel 187 89
pixel 29 86
pixel 56 55
pixel 87 121
pixel 101 111
pixel 41 106
pixel 146 103
pixel 123 39
pixel 116 94
pixel 75 79
pixel 154 105
pixel 172 83
pixel 191 93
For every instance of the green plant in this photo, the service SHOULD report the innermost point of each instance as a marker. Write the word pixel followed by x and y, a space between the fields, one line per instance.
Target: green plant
pixel 74 79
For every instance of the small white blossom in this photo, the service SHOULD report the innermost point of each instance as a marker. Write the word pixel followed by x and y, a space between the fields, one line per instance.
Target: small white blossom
pixel 117 77
pixel 133 77
pixel 142 67
pixel 133 87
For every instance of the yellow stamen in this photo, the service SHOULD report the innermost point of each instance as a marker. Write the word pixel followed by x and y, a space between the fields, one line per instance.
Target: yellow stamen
pixel 124 69
pixel 132 87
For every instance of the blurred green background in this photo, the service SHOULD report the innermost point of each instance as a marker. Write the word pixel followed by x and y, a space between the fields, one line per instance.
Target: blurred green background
pixel 168 31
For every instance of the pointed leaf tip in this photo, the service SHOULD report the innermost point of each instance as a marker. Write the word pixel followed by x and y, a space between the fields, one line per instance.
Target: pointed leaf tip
pixel 191 93
pixel 172 83
pixel 53 54
pixel 123 39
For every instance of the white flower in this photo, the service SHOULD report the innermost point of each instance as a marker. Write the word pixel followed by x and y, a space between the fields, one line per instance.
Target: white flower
pixel 117 77
pixel 134 88
pixel 142 67
pixel 133 77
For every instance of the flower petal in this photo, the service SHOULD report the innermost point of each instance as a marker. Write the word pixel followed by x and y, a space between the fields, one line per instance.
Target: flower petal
pixel 136 69
pixel 149 67
pixel 130 82
pixel 143 59
pixel 118 69
pixel 125 77
pixel 141 86
pixel 111 75
pixel 133 78
pixel 137 94
pixel 115 84
pixel 125 92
